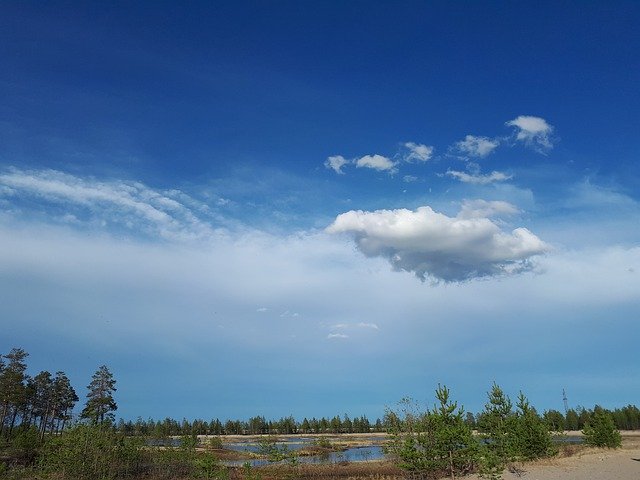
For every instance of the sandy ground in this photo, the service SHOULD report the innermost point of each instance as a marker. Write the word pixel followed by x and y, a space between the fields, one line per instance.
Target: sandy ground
pixel 588 464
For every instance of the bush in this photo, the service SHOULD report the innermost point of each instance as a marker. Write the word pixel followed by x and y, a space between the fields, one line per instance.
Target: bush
pixel 25 446
pixel 601 431
pixel 91 452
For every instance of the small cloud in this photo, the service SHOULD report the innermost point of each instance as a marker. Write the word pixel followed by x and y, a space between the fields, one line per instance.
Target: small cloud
pixel 479 179
pixel 486 209
pixel 336 163
pixel 376 162
pixel 535 132
pixel 339 326
pixel 368 325
pixel 473 146
pixel 409 179
pixel 261 309
pixel 337 335
pixel 417 152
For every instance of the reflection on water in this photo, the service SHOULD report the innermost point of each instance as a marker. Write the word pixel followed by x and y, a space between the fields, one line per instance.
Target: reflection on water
pixel 355 454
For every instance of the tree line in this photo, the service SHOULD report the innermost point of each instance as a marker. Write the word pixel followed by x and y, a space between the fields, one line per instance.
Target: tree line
pixel 36 432
pixel 46 401
pixel 257 425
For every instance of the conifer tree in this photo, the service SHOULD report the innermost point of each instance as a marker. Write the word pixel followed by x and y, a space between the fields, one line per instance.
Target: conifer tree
pixel 100 402
pixel 601 430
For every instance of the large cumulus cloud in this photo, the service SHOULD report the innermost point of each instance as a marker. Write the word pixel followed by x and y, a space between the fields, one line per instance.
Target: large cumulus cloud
pixel 442 248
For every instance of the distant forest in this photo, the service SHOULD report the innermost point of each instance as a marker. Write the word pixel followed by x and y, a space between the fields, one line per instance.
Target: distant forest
pixel 46 401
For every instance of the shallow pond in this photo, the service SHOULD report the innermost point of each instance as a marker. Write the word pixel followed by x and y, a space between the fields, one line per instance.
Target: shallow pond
pixel 355 454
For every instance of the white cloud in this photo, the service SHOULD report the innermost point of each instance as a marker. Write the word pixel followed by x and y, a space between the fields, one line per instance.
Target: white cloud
pixel 477 146
pixel 431 244
pixel 261 309
pixel 483 208
pixel 337 335
pixel 479 179
pixel 170 214
pixel 417 152
pixel 535 132
pixel 373 326
pixel 409 179
pixel 376 162
pixel 336 163
pixel 339 326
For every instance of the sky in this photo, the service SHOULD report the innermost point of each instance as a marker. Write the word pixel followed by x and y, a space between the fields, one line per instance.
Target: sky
pixel 317 208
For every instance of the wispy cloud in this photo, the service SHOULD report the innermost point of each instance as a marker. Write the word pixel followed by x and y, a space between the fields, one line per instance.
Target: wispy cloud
pixel 474 146
pixel 479 179
pixel 170 214
pixel 337 335
pixel 335 163
pixel 339 326
pixel 417 152
pixel 486 209
pixel 431 244
pixel 372 326
pixel 535 132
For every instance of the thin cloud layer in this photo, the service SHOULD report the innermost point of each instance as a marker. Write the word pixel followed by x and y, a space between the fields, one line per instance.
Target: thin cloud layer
pixel 477 178
pixel 442 248
pixel 535 132
pixel 172 214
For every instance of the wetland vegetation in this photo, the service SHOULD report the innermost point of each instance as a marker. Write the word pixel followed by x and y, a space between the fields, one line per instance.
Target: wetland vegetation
pixel 41 439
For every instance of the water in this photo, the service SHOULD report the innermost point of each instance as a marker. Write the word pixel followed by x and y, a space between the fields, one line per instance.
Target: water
pixel 355 454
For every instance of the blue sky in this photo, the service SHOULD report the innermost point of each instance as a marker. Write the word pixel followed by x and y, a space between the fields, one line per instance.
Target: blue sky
pixel 316 208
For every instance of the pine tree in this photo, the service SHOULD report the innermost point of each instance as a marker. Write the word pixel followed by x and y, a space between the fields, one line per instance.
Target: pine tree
pixel 100 402
pixel 601 430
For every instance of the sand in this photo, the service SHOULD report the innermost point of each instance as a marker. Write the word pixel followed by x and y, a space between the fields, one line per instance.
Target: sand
pixel 588 464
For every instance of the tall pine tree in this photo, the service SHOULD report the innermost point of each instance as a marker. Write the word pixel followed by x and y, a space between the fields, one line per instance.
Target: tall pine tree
pixel 100 402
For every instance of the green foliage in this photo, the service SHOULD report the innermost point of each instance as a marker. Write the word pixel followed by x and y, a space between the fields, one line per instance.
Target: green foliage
pixel 323 442
pixel 555 420
pixel 25 446
pixel 274 451
pixel 436 442
pixel 91 452
pixel 496 424
pixel 250 473
pixel 215 443
pixel 531 436
pixel 206 465
pixel 601 431
pixel 510 436
pixel 100 403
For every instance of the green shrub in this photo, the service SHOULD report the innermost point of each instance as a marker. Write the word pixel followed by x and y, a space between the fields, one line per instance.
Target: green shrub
pixel 601 431
pixel 215 443
pixel 438 442
pixel 91 452
pixel 531 436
